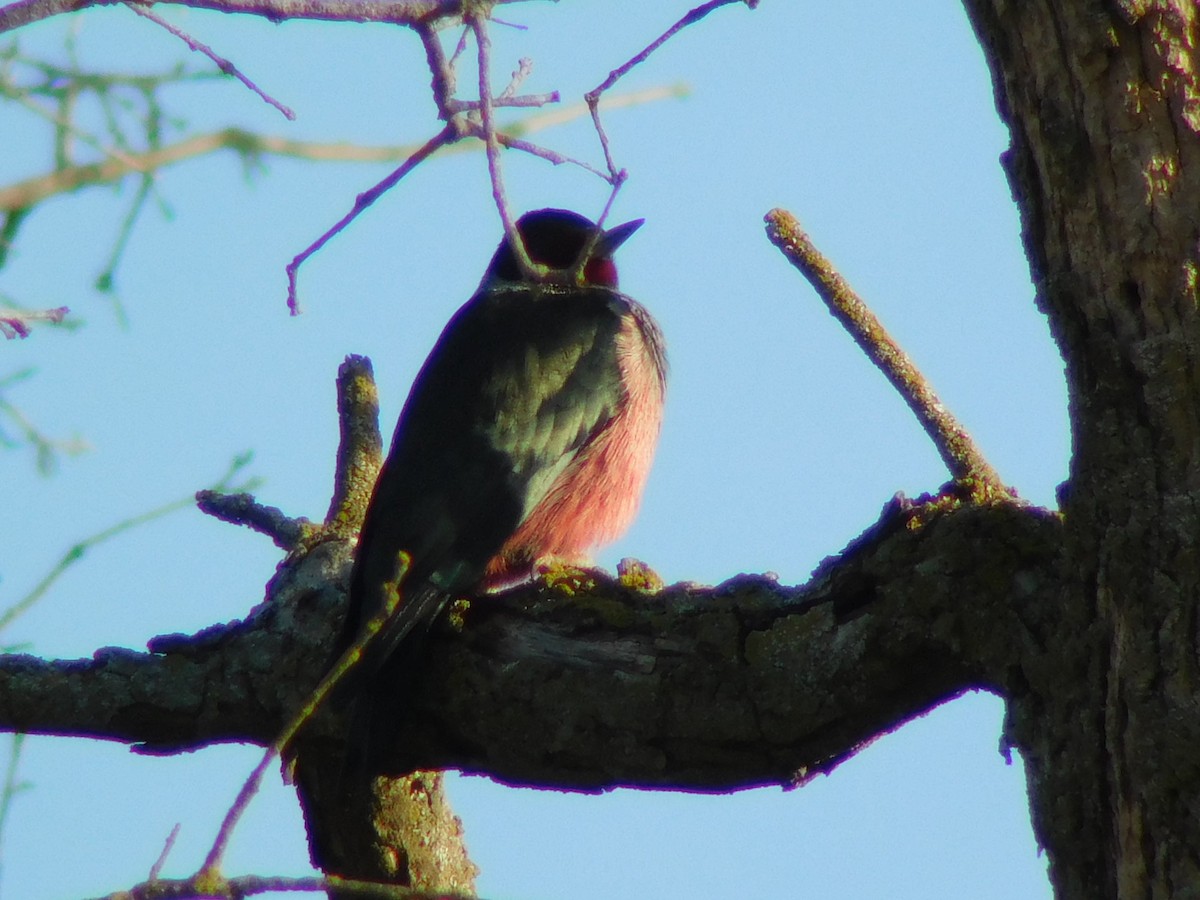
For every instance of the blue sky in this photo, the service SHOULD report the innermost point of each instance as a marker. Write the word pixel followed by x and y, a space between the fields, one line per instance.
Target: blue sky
pixel 873 123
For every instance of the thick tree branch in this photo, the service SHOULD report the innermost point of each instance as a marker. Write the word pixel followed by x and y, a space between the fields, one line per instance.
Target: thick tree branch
pixel 395 12
pixel 743 684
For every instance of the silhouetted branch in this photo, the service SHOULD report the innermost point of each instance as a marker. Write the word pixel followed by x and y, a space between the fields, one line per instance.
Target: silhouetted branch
pixel 395 12
pixel 767 684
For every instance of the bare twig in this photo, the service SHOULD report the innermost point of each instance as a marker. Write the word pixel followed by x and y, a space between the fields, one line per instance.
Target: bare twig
pixel 46 448
pixel 551 156
pixel 225 65
pixel 445 80
pixel 483 44
pixel 395 12
pixel 525 100
pixel 243 509
pixel 211 867
pixel 13 784
pixel 586 253
pixel 958 451
pixel 106 280
pixel 523 70
pixel 14 323
pixel 593 96
pixel 168 846
pixel 76 552
pixel 362 202
pixel 65 129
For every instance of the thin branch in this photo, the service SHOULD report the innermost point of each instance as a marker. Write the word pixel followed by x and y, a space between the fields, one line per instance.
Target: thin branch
pixel 242 509
pixel 253 885
pixel 65 128
pixel 445 80
pixel 14 323
pixel 361 203
pixel 593 96
pixel 13 784
pixel 106 280
pixel 958 451
pixel 525 100
pixel 46 448
pixel 476 129
pixel 225 65
pixel 211 868
pixel 395 12
pixel 483 44
pixel 349 659
pixel 78 550
pixel 519 76
pixel 13 219
pixel 586 253
pixel 168 846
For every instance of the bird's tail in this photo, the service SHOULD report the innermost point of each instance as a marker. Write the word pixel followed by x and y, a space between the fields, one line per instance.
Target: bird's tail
pixel 374 690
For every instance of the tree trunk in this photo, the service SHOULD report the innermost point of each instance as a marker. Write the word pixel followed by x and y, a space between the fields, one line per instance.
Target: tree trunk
pixel 1103 103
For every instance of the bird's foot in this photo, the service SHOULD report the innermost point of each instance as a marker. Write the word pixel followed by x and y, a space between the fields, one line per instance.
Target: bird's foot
pixel 637 576
pixel 568 576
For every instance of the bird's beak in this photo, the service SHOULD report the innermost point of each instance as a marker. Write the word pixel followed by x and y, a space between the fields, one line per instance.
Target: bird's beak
pixel 615 237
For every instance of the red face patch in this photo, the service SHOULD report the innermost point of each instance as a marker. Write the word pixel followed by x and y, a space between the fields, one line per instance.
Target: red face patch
pixel 601 271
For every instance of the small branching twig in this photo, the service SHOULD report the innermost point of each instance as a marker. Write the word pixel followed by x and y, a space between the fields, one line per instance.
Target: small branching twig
pixel 363 202
pixel 77 552
pixel 592 97
pixel 46 448
pixel 133 124
pixel 243 509
pixel 211 868
pixel 483 44
pixel 13 220
pixel 14 323
pixel 225 65
pixel 359 453
pixel 966 463
pixel 168 846
pixel 13 784
pixel 106 280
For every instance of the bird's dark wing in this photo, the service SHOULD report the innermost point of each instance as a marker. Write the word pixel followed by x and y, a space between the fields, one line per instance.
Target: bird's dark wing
pixel 521 378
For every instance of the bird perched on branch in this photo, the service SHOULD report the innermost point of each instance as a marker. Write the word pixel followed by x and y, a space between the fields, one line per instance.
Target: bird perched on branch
pixel 527 436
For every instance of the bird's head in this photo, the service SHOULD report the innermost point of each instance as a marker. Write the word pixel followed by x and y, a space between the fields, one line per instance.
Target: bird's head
pixel 557 238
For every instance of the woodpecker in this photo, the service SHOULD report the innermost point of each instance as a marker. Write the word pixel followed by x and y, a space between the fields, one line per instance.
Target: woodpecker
pixel 527 436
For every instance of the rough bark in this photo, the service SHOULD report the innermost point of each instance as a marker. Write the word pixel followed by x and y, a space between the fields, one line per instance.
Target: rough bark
pixel 745 684
pixel 1103 102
